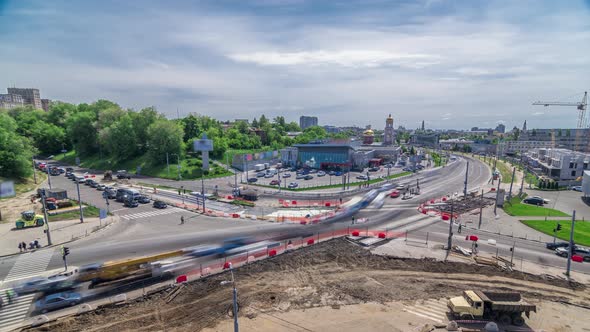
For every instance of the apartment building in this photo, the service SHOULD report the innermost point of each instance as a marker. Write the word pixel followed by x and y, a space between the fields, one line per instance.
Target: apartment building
pixel 307 121
pixel 571 139
pixel 559 164
pixel 30 96
pixel 520 147
pixel 9 101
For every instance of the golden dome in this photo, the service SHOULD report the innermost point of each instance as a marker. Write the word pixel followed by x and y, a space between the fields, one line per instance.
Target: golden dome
pixel 368 132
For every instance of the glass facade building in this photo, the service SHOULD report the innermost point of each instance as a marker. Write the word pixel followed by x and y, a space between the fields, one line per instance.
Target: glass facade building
pixel 323 155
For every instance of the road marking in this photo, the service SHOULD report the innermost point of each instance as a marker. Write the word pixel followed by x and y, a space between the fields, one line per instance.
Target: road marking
pixel 12 315
pixel 151 213
pixel 435 310
pixel 29 265
pixel 119 209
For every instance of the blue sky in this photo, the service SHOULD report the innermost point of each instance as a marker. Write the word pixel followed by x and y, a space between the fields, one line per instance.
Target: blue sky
pixel 455 64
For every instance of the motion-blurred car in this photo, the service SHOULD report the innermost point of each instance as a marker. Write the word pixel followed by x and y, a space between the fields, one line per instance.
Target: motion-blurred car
pixel 374 169
pixel 300 176
pixel 57 301
pixel 308 177
pixel 394 194
pixel 159 205
pixel 130 203
pixel 580 251
pixel 111 193
pixel 260 174
pixel 100 187
pixel 143 199
pixel 546 201
pixel 362 177
pixel 268 175
pixel 321 173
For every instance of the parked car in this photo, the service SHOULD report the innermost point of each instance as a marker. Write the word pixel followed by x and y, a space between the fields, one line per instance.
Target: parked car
pixel 111 193
pixel 268 175
pixel 260 174
pixel 130 203
pixel 300 176
pixel 252 180
pixel 143 199
pixel 159 205
pixel 534 201
pixel 388 166
pixel 93 184
pixel 553 246
pixel 362 177
pixel 287 175
pixel 100 187
pixel 338 173
pixel 122 198
pixel 293 185
pixel 321 173
pixel 308 177
pixel 122 174
pixel 401 187
pixel 274 182
pixel 58 301
pixel 546 201
pixel 374 169
pixel 577 188
pixel 580 251
pixel 394 194
pixel 69 175
pixel 331 173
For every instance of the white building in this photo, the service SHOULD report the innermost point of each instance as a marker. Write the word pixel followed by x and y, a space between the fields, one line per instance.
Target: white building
pixel 559 164
pixel 586 183
pixel 520 147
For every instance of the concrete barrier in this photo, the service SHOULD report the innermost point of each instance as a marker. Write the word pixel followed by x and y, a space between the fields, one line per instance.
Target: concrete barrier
pixel 39 320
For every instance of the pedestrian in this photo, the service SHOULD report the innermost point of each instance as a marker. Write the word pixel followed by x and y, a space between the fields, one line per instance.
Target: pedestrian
pixel 9 295
pixel 32 245
pixel 24 246
pixel 37 245
pixel 20 247
pixel 182 220
pixel 459 230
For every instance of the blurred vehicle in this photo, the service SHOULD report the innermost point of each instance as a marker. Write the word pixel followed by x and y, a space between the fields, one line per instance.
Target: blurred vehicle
pixel 130 203
pixel 577 188
pixel 394 194
pixel 553 246
pixel 300 176
pixel 293 185
pixel 580 251
pixel 331 173
pixel 268 175
pixel 143 199
pixel 57 301
pixel 101 187
pixel 122 198
pixel 546 201
pixel 45 284
pixel 252 180
pixel 111 193
pixel 274 182
pixel 69 175
pixel 321 173
pixel 69 169
pixel 159 205
pixel 308 177
pixel 374 169
pixel 122 174
pixel 388 166
pixel 260 174
pixel 338 173
pixel 287 175
pixel 29 219
pixel 362 177
pixel 534 201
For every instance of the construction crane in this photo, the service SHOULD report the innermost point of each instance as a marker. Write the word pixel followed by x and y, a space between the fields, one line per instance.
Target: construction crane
pixel 582 106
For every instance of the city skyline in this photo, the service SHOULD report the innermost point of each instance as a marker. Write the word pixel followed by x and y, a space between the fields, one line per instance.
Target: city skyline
pixel 454 65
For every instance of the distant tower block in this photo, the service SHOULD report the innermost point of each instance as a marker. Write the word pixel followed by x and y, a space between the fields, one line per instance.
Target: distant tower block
pixel 422 125
pixel 388 133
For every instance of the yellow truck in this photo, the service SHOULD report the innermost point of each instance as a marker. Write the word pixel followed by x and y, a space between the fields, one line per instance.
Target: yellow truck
pixel 121 269
pixel 504 308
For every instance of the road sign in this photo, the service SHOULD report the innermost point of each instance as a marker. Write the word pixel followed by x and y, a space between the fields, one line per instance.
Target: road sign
pixel 104 194
pixel 103 214
pixel 7 189
pixel 203 144
pixel 77 161
pixel 64 151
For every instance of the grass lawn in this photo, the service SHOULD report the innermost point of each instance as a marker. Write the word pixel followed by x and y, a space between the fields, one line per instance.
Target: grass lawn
pixel 89 212
pixel 581 230
pixel 516 208
pixel 505 171
pixel 191 167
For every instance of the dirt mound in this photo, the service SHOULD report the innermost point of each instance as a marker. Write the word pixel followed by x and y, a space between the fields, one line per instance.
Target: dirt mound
pixel 333 273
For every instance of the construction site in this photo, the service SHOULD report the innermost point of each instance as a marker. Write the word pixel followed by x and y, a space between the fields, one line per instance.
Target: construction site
pixel 338 285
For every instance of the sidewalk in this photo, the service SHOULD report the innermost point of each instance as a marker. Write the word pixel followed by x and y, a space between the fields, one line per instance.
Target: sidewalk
pixel 60 231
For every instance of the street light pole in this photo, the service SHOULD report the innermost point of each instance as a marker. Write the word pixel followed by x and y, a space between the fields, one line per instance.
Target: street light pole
pixel 497 198
pixel 79 202
pixel 46 217
pixel 466 176
pixel 570 250
pixel 235 298
pixel 511 183
pixel 167 164
pixel 203 188
pixel 34 170
pixel 450 240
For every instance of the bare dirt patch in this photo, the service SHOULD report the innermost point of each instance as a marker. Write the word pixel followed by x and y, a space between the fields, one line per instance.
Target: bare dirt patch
pixel 333 274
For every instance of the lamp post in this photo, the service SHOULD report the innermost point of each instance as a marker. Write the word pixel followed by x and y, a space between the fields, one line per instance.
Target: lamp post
pixel 34 170
pixel 43 197
pixel 79 202
pixel 177 166
pixel 235 296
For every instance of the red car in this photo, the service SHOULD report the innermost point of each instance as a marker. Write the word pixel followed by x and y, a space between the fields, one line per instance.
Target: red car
pixel 274 182
pixel 394 194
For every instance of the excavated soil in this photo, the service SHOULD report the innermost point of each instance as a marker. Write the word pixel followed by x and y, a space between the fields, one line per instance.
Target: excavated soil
pixel 333 274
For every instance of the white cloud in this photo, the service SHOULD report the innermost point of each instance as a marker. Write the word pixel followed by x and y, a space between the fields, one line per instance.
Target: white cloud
pixel 345 58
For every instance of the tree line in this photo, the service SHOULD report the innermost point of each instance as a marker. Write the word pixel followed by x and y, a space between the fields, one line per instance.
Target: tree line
pixel 118 134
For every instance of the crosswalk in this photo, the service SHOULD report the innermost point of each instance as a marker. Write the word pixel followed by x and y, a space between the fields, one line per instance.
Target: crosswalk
pixel 15 311
pixel 168 210
pixel 432 309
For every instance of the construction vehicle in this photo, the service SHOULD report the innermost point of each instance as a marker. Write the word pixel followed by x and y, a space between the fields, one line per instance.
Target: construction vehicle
pixel 108 176
pixel 504 308
pixel 118 270
pixel 29 219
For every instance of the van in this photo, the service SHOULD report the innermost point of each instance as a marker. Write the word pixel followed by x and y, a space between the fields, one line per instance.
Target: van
pixel 80 179
pixel 129 192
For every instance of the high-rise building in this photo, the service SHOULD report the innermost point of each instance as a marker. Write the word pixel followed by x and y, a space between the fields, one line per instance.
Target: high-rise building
pixel 422 125
pixel 501 128
pixel 30 96
pixel 388 133
pixel 45 104
pixel 307 121
pixel 8 101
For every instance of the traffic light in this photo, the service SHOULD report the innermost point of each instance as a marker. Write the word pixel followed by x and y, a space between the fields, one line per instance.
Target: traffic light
pixel 66 251
pixel 558 227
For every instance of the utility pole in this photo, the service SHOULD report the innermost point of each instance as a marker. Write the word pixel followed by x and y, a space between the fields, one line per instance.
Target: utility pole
pixel 348 178
pixel 449 243
pixel 497 198
pixel 46 218
pixel 466 176
pixel 203 188
pixel 80 202
pixel 106 198
pixel 511 183
pixel 480 209
pixel 48 175
pixel 167 164
pixel 235 298
pixel 570 250
pixel 512 255
pixel 521 184
pixel 34 170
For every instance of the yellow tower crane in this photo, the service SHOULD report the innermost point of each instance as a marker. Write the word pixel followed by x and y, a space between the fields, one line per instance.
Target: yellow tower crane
pixel 582 106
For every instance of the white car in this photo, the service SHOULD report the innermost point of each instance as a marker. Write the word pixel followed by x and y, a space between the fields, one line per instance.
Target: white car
pixel 293 185
pixel 287 175
pixel 321 173
pixel 577 188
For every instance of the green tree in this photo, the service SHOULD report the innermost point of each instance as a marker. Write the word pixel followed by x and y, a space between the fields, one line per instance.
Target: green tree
pixel 81 130
pixel 109 116
pixel 59 113
pixel 254 123
pixel 15 151
pixel 119 139
pixel 292 127
pixel 141 122
pixel 164 137
pixel 48 138
pixel 242 127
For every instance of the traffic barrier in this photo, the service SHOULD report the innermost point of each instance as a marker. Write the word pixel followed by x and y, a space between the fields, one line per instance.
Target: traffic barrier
pixel 577 258
pixel 182 278
pixel 310 242
pixel 272 253
pixel 356 233
pixel 445 217
pixel 381 235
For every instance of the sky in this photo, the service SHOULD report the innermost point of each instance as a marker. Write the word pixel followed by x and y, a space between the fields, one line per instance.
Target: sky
pixel 455 64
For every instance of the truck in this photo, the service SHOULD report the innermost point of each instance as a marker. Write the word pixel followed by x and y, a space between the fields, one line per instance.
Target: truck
pixel 259 167
pixel 502 307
